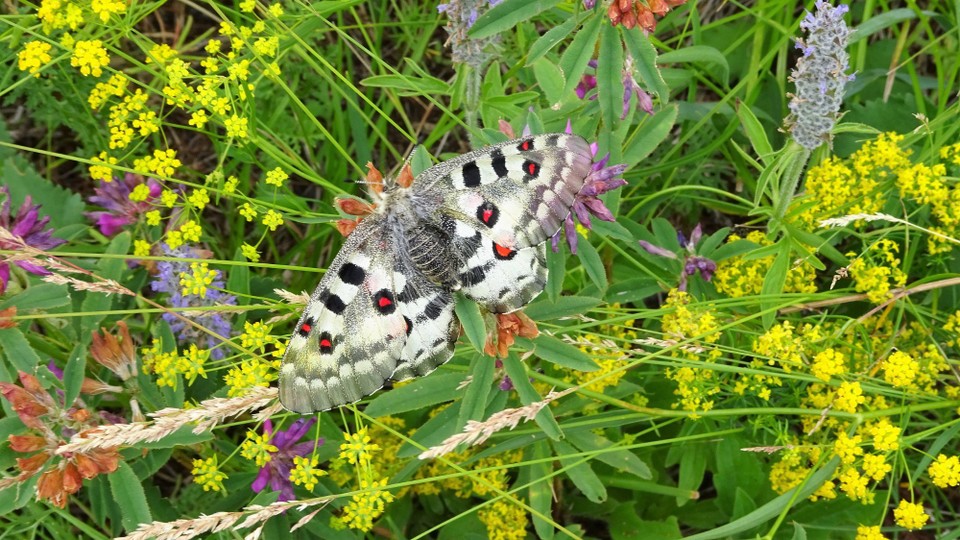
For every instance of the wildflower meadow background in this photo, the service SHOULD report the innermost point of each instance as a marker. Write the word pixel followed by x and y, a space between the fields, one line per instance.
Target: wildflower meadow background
pixel 755 335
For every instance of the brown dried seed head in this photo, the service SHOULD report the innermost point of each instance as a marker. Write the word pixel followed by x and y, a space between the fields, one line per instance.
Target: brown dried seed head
pixel 32 464
pixel 614 13
pixel 346 226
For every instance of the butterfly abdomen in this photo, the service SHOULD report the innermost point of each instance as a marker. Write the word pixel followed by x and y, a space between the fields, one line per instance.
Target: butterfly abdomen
pixel 429 250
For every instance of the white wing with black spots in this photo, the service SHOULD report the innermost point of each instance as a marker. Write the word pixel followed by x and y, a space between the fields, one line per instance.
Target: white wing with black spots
pixel 385 309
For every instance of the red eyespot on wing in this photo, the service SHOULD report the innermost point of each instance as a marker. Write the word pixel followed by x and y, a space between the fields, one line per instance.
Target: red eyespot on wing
pixel 383 302
pixel 325 343
pixel 531 167
pixel 486 215
pixel 525 146
pixel 305 327
pixel 503 252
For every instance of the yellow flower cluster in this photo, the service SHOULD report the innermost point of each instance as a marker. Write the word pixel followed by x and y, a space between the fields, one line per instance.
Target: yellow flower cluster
pixel 869 533
pixel 35 55
pixel 505 520
pixel 197 280
pixel 90 57
pixel 306 471
pixel 206 472
pixel 257 448
pixel 682 322
pixel 910 515
pixel 250 373
pixel 606 353
pixel 945 471
pixel 168 366
pixel 877 271
pixel 364 507
pixel 742 276
pixel 860 184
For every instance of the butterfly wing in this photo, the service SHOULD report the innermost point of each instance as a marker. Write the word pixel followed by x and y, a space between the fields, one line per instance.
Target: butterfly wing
pixel 353 331
pixel 505 201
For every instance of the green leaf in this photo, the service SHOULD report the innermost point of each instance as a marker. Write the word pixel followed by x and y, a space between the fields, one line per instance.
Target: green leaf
pixel 799 533
pixel 107 268
pixel 128 492
pixel 506 15
pixel 651 133
pixel 17 350
pixel 693 466
pixel 578 469
pixel 645 63
pixel 423 392
pixel 469 314
pixel 63 206
pixel 540 492
pixel 881 20
pixel 18 495
pixel 74 371
pixel 593 264
pixel 698 53
pixel 579 52
pixel 556 269
pixel 565 306
pixel 550 39
pixel 773 284
pixel 550 78
pixel 609 76
pixel 39 297
pixel 409 85
pixel 755 133
pixel 621 460
pixel 561 353
pixel 477 393
pixel 517 371
pixel 777 506
pixel 433 432
pixel 633 290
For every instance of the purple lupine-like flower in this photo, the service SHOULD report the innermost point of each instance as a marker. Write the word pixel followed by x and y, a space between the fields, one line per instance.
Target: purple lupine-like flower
pixel 167 281
pixel 631 87
pixel 692 263
pixel 115 197
pixel 600 180
pixel 276 472
pixel 820 76
pixel 30 229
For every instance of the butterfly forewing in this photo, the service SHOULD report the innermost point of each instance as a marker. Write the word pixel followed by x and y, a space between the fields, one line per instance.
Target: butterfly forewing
pixel 349 339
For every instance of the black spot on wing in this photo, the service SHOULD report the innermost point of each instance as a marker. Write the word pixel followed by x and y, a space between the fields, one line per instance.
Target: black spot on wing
pixel 333 302
pixel 352 274
pixel 499 163
pixel 471 174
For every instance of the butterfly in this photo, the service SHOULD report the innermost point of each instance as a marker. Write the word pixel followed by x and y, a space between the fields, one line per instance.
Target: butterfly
pixel 477 224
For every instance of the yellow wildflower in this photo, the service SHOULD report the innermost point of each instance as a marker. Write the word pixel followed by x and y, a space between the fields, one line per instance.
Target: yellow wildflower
pixel 90 57
pixel 276 177
pixel 35 55
pixel 910 515
pixel 272 220
pixel 306 472
pixel 206 472
pixel 945 471
pixel 900 369
pixel 257 448
pixel 865 532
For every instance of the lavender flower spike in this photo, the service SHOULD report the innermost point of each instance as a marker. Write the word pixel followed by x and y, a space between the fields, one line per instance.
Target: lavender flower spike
pixel 820 76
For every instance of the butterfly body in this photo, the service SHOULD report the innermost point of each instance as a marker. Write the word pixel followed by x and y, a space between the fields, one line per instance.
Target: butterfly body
pixel 476 224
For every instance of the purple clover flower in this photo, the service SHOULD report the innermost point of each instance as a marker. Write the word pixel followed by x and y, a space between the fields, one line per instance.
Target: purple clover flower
pixel 692 263
pixel 276 472
pixel 30 228
pixel 115 197
pixel 600 180
pixel 167 281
